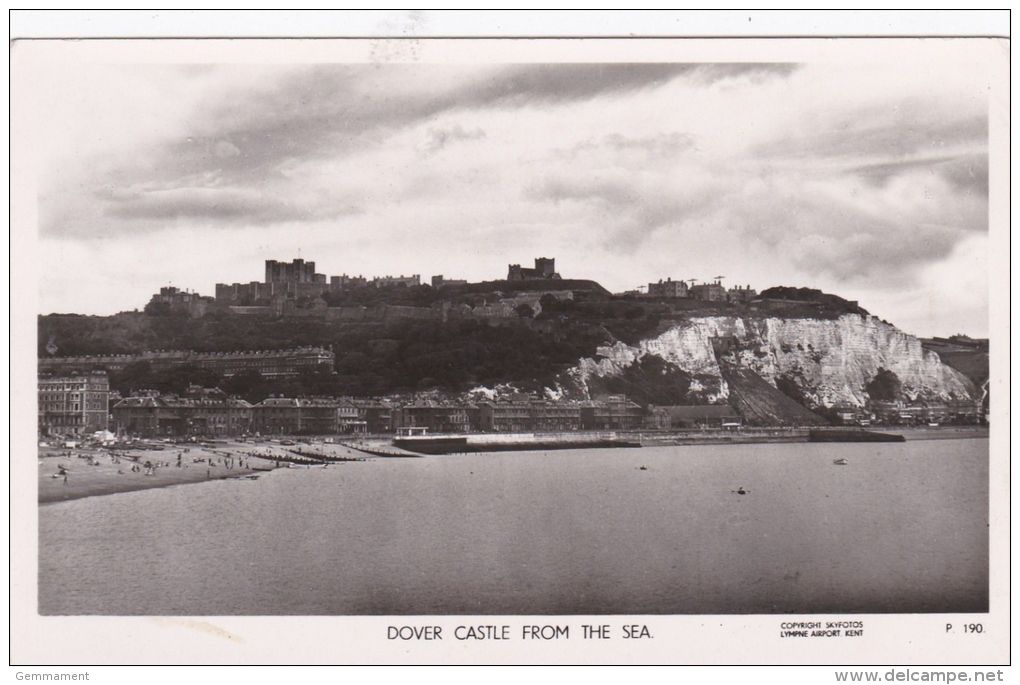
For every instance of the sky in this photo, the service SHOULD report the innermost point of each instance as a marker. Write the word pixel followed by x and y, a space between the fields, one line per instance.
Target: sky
pixel 865 180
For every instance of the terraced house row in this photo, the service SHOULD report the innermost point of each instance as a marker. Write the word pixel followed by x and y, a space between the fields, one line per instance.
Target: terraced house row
pixel 209 412
pixel 269 363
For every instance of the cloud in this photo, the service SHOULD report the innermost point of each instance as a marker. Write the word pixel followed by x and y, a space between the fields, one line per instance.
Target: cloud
pixel 630 208
pixel 852 232
pixel 250 133
pixel 341 109
pixel 225 206
pixel 660 145
pixel 547 83
pixel 439 138
pixel 966 172
pixel 905 131
pixel 602 191
pixel 224 148
pixel 880 222
pixel 327 110
pixel 201 203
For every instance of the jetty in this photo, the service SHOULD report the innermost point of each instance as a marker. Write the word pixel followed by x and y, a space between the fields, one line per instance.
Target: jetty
pixel 851 435
pixel 509 442
pixel 322 457
pixel 380 452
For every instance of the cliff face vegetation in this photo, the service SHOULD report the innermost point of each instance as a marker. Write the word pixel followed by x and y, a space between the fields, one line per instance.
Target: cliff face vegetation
pixel 815 350
pixel 371 358
pixel 822 362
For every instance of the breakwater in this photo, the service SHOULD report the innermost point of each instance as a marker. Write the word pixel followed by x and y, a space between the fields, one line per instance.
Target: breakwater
pixel 510 442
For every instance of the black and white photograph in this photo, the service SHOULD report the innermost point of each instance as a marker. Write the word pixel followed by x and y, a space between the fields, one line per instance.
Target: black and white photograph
pixel 552 330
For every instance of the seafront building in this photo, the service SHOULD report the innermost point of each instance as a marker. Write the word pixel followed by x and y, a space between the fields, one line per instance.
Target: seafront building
pixel 522 414
pixel 377 415
pixel 437 416
pixel 614 412
pixel 510 415
pixel 293 416
pixel 892 413
pixel 553 416
pixel 692 416
pixel 210 414
pixel 213 414
pixel 73 404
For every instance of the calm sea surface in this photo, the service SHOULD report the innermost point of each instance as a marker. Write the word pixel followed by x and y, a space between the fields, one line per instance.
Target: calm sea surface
pixel 901 528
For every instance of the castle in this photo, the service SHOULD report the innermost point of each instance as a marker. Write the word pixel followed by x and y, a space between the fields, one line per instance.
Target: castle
pixel 545 268
pixel 287 280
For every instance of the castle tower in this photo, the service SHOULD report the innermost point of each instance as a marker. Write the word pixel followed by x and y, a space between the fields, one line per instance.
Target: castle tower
pixel 545 266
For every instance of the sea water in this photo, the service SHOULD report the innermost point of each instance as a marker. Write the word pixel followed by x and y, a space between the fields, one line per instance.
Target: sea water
pixel 902 527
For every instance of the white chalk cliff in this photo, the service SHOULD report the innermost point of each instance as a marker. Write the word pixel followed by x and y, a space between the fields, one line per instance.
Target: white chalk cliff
pixel 830 360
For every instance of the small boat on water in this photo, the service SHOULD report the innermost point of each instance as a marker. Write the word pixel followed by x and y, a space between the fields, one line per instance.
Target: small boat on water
pixel 840 462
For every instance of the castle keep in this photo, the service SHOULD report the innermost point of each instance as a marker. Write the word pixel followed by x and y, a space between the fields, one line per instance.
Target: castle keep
pixel 545 268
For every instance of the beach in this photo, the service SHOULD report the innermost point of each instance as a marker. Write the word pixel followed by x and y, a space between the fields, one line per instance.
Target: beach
pixel 95 471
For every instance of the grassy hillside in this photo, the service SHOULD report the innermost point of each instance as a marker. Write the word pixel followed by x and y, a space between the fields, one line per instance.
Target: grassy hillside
pixel 825 302
pixel 371 358
pixel 382 357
